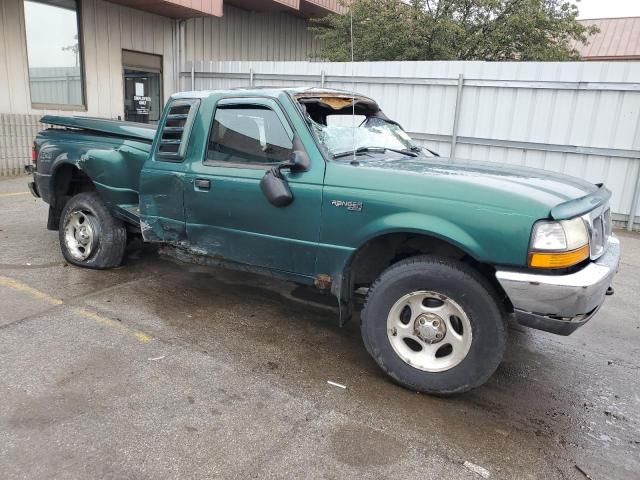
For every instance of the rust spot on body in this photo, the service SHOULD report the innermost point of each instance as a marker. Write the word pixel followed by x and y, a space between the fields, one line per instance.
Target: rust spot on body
pixel 323 281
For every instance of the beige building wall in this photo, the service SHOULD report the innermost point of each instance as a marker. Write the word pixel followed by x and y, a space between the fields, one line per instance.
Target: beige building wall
pixel 107 28
pixel 245 35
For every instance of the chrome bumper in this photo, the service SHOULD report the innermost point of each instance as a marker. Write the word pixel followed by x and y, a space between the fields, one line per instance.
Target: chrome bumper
pixel 561 303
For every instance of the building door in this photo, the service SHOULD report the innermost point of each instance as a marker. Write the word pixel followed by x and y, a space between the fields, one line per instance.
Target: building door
pixel 142 86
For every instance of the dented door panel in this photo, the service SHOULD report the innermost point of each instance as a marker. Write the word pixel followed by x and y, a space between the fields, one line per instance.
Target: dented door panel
pixel 234 221
pixel 161 205
pixel 163 176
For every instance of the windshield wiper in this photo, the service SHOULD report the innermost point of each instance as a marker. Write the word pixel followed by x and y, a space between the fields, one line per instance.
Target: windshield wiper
pixel 361 150
pixel 415 148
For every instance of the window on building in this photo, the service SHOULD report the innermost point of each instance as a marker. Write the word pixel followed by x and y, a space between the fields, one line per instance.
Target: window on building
pixel 248 134
pixel 54 52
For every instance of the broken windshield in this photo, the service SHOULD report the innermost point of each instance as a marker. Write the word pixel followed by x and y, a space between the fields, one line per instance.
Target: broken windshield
pixel 371 134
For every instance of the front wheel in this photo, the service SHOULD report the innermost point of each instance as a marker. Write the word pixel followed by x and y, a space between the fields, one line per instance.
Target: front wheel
pixel 89 235
pixel 434 325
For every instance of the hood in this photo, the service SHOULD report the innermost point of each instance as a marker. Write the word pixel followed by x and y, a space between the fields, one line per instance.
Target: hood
pixel 503 186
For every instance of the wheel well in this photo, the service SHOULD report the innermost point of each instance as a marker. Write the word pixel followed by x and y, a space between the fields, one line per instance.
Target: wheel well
pixel 67 181
pixel 379 253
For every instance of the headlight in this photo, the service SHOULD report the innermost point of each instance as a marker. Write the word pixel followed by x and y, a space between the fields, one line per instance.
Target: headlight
pixel 558 244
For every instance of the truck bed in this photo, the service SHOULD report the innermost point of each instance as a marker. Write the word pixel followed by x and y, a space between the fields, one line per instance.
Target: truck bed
pixel 109 152
pixel 138 131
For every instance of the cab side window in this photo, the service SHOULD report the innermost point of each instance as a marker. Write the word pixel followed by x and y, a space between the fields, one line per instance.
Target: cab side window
pixel 251 134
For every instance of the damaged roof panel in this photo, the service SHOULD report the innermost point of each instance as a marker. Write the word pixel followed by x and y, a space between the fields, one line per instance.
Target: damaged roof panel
pixel 335 99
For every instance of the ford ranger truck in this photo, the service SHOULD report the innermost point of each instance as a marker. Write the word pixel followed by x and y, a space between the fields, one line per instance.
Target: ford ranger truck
pixel 320 187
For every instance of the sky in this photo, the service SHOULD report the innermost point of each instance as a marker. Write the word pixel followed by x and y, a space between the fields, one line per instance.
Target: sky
pixel 44 42
pixel 608 8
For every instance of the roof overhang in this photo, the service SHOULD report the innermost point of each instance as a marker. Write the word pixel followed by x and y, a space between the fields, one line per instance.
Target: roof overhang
pixel 202 8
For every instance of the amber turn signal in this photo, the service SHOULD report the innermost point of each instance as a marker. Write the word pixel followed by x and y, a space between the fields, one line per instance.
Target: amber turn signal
pixel 558 260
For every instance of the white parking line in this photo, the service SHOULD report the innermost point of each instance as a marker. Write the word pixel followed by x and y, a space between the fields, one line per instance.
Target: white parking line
pixel 13 194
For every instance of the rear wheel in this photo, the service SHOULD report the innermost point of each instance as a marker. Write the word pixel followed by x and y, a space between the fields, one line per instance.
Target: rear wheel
pixel 434 325
pixel 89 235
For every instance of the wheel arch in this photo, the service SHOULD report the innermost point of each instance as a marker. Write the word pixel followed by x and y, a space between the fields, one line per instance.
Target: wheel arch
pixel 379 251
pixel 67 180
pixel 454 363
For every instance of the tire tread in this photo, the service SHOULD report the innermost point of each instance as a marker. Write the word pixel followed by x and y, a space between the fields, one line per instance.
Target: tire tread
pixel 418 262
pixel 113 240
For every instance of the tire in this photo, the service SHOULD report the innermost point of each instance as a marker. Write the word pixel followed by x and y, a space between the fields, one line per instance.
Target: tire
pixel 89 235
pixel 472 325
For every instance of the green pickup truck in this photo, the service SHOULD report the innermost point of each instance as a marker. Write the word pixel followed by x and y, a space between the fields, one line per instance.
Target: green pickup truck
pixel 320 187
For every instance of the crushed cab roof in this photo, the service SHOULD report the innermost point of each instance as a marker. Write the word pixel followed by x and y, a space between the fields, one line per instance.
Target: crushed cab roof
pixel 296 92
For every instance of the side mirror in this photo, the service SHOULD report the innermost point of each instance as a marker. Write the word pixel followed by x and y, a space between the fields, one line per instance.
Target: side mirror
pixel 276 188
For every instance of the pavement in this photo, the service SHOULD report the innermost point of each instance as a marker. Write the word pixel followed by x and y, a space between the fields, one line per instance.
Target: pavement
pixel 161 370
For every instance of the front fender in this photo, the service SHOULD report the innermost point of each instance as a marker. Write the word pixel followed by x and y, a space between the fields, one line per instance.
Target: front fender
pixel 419 223
pixel 338 260
pixel 342 242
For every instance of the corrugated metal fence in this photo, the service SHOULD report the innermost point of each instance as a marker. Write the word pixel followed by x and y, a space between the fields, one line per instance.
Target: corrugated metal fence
pixel 62 86
pixel 582 119
pixel 578 118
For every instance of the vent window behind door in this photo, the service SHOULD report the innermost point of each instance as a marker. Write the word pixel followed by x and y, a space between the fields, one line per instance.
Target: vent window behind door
pixel 175 130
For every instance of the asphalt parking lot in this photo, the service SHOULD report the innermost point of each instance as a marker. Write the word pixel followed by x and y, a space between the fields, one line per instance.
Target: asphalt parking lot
pixel 156 370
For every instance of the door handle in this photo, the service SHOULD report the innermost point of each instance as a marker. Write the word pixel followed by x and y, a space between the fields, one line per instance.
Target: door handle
pixel 202 184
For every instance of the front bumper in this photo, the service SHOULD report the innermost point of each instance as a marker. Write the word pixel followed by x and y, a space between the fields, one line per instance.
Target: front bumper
pixel 561 303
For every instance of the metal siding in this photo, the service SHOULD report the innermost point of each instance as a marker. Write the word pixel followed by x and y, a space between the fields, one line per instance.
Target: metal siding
pixel 12 33
pixel 333 5
pixel 244 35
pixel 582 119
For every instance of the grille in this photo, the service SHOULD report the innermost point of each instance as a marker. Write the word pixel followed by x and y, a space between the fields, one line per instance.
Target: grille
pixel 599 225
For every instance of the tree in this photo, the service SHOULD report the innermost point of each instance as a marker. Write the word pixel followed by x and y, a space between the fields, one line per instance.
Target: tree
pixel 534 30
pixel 75 49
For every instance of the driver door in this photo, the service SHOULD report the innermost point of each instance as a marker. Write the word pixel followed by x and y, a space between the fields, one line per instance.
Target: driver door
pixel 228 217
